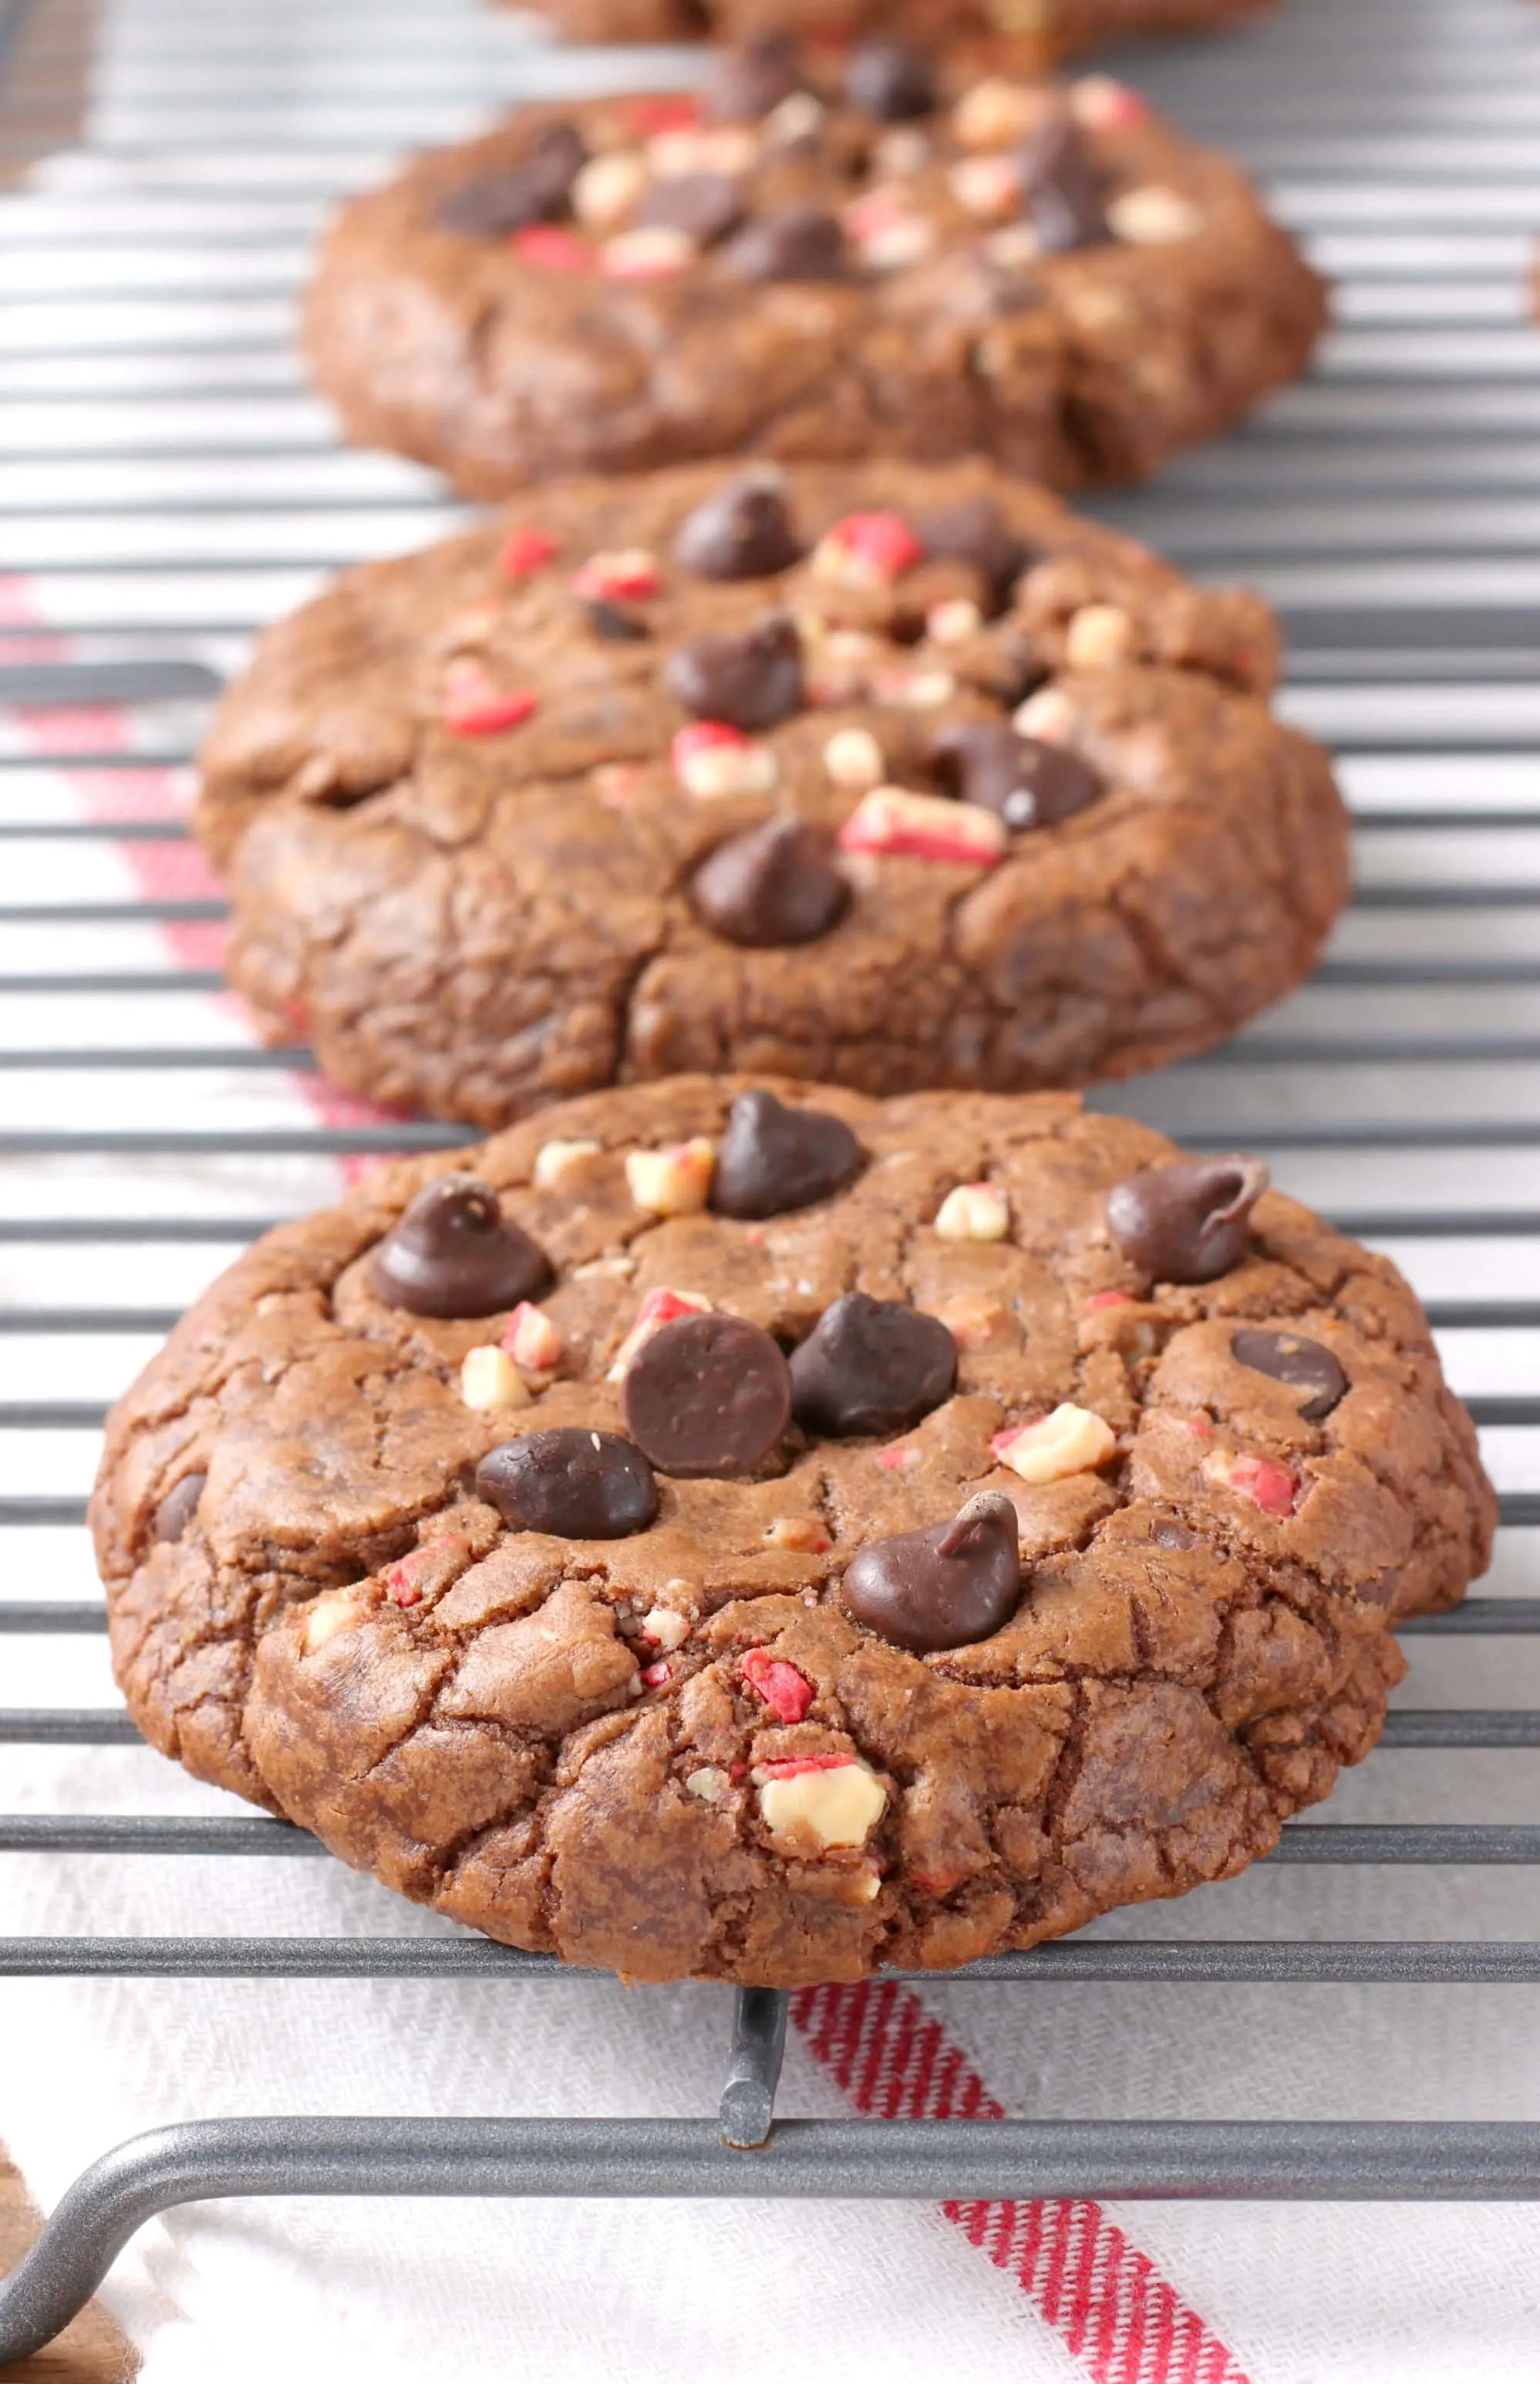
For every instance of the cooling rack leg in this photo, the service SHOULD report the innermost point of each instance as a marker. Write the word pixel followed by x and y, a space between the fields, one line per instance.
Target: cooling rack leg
pixel 753 2068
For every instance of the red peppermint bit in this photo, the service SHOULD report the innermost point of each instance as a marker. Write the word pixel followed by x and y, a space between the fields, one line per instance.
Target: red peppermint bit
pixel 1007 1438
pixel 705 736
pixel 644 118
pixel 553 250
pixel 781 1686
pixel 657 1676
pixel 884 543
pixel 924 827
pixel 400 1588
pixel 473 707
pixel 523 552
pixel 612 578
pixel 902 1452
pixel 1100 1299
pixel 1272 1487
pixel 1194 1425
pixel 798 1763
pixel 738 1772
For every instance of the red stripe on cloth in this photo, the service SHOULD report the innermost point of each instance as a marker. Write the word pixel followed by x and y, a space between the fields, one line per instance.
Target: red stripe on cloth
pixel 1101 2296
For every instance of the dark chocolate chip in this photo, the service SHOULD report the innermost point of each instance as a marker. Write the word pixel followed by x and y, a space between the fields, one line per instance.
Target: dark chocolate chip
pixel 889 80
pixel 178 1507
pixel 707 206
pixel 707 1394
pixel 1061 188
pixel 870 1366
pixel 755 77
pixel 1303 1365
pixel 577 1484
pixel 1173 1535
pixel 456 1254
pixel 743 532
pixel 1189 1221
pixel 752 680
pixel 771 886
pixel 974 530
pixel 615 627
pixel 773 1158
pixel 537 189
pixel 948 1586
pixel 798 243
pixel 1029 784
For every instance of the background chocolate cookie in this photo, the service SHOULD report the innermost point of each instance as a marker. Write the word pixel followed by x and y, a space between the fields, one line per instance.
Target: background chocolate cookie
pixel 1040 31
pixel 901 778
pixel 1046 275
pixel 876 1534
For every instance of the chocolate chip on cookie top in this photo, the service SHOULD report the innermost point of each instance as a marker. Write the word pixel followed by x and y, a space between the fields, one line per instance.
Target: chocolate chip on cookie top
pixel 909 257
pixel 857 1552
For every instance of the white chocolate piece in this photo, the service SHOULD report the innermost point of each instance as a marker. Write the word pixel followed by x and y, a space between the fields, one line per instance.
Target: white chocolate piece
pixel 990 187
pixel 1097 636
pixel 854 759
pixel 1049 717
pixel 668 1629
pixel 531 1340
pixel 651 252
pixel 1071 1440
pixel 710 1785
pixel 718 770
pixel 953 623
pixel 489 1378
pixel 672 1183
pixel 337 1612
pixel 835 1808
pixel 608 188
pixel 1154 215
pixel 973 1212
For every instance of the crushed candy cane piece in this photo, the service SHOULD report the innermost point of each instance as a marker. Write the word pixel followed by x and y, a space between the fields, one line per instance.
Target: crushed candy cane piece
pixel 854 759
pixel 799 1532
pixel 712 759
pixel 474 707
pixel 551 250
pixel 927 827
pixel 627 574
pixel 990 187
pixel 675 1182
pixel 664 1627
pixel 1071 1440
pixel 554 1158
pixel 660 1306
pixel 1272 1487
pixel 1100 104
pixel 710 1783
pixel 1153 214
pixel 1100 1299
pixel 608 187
pixel 657 1676
pixel 995 113
pixel 1049 717
pixel 954 622
pixel 329 1616
pixel 649 253
pixel 867 549
pixel 787 1692
pixel 525 550
pixel 531 1340
pixel 917 691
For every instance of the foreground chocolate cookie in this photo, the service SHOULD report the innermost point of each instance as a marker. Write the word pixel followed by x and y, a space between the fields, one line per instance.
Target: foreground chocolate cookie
pixel 896 776
pixel 914 266
pixel 1038 31
pixel 583 1624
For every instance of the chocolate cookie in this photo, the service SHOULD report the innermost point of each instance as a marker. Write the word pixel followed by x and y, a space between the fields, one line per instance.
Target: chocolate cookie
pixel 1057 1577
pixel 1046 275
pixel 891 776
pixel 1038 31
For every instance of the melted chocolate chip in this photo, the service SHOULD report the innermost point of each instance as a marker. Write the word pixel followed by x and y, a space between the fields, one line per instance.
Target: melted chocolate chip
pixel 947 1586
pixel 974 530
pixel 1061 188
pixel 178 1507
pixel 1189 1221
pixel 707 1394
pixel 889 80
pixel 754 78
pixel 615 627
pixel 773 1158
pixel 707 206
pixel 743 532
pixel 752 680
pixel 1303 1365
pixel 575 1484
pixel 456 1254
pixel 771 886
pixel 872 1366
pixel 798 243
pixel 1029 784
pixel 537 189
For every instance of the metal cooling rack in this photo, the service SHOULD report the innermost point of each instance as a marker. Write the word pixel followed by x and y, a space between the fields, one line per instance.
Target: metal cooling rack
pixel 165 485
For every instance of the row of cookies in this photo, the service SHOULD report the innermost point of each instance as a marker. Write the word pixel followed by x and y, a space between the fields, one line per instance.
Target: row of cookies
pixel 802 1498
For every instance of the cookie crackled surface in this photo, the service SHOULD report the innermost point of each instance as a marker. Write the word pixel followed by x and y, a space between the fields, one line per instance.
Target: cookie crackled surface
pixel 892 776
pixel 912 263
pixel 831 1533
